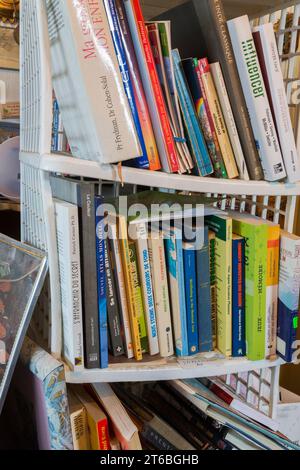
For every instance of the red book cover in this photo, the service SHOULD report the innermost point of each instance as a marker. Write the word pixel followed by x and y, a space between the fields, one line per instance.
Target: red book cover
pixel 165 123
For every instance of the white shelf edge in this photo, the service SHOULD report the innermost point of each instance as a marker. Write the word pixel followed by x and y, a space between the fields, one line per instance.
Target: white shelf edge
pixel 148 372
pixel 77 167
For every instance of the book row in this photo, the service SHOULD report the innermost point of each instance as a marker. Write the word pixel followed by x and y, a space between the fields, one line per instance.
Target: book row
pixel 129 287
pixel 224 113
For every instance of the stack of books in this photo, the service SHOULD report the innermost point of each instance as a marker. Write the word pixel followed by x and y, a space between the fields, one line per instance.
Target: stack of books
pixel 135 286
pixel 138 99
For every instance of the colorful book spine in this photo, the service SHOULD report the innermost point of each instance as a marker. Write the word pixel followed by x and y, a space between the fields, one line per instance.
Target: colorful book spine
pixel 218 118
pixel 222 226
pixel 101 281
pixel 289 289
pixel 190 70
pixel 111 13
pixel 189 260
pixel 272 275
pixel 267 51
pixel 204 295
pixel 138 89
pixel 238 297
pixel 256 98
pixel 213 288
pixel 155 99
pixel 198 145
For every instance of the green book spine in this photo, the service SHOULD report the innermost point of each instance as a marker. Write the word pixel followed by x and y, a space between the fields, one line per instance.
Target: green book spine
pixel 256 237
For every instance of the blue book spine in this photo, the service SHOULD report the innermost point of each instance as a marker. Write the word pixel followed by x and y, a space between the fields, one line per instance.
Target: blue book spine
pixel 111 12
pixel 189 258
pixel 286 331
pixel 238 298
pixel 198 145
pixel 181 285
pixel 101 282
pixel 204 295
pixel 55 126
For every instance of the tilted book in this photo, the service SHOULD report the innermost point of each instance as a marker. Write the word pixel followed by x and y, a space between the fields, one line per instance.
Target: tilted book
pixel 88 84
pixel 79 422
pixel 256 98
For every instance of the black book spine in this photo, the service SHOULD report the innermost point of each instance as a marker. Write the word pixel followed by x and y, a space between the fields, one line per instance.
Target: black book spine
pixel 156 439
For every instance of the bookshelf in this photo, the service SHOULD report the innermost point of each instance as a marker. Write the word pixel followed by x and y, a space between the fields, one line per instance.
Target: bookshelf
pixel 38 223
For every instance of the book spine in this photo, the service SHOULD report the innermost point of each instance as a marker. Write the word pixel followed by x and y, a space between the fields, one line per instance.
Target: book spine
pixel 161 296
pixel 204 296
pixel 138 89
pixel 113 315
pixel 101 282
pixel 103 435
pixel 289 288
pixel 137 295
pixel 199 149
pixel 80 432
pixel 267 51
pixel 218 119
pixel 154 438
pixel 238 298
pixel 212 20
pixel 229 120
pixel 55 126
pixel 189 259
pixel 142 161
pixel 70 279
pixel 213 289
pixel 156 89
pixel 272 275
pixel 256 98
pixel 140 235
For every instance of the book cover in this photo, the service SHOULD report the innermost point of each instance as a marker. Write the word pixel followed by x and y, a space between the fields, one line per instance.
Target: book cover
pixel 189 261
pixel 229 120
pixel 289 288
pixel 267 51
pixel 67 232
pixel 256 98
pixel 222 226
pixel 81 50
pixel 238 297
pixel 138 89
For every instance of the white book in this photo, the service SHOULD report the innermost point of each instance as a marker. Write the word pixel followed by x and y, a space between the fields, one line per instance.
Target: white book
pixel 229 120
pixel 67 231
pixel 138 232
pixel 265 40
pixel 161 293
pixel 112 234
pixel 88 83
pixel 256 98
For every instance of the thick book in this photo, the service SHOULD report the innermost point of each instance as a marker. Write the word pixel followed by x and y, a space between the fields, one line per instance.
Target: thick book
pixel 222 227
pixel 289 289
pixel 79 422
pixel 229 120
pixel 138 89
pixel 267 51
pixel 256 98
pixel 204 300
pixel 67 233
pixel 88 83
pixel 189 261
pixel 238 297
pixel 152 88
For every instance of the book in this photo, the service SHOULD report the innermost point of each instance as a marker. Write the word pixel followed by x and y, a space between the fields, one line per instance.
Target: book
pixel 189 261
pixel 82 49
pixel 79 422
pixel 219 82
pixel 256 98
pixel 159 116
pixel 238 297
pixel 138 89
pixel 67 233
pixel 97 420
pixel 197 143
pixel 213 288
pixel 255 232
pixel 222 226
pixel 138 232
pixel 101 281
pixel 267 51
pixel 288 296
pixel 218 118
pixel 190 68
pixel 161 293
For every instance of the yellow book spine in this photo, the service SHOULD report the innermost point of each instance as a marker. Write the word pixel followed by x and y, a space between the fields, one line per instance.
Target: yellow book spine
pixel 272 289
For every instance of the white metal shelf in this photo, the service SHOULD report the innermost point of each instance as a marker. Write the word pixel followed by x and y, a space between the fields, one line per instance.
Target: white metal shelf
pixel 77 167
pixel 175 369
